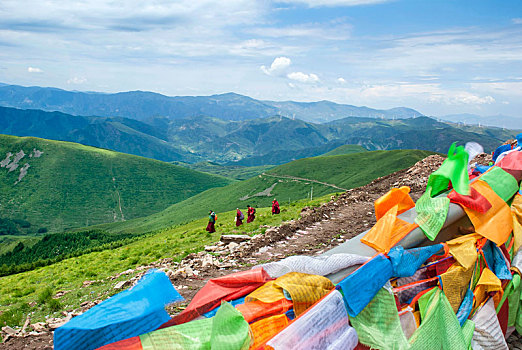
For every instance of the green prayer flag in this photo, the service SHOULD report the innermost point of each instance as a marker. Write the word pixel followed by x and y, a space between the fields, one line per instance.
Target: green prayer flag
pixel 431 213
pixel 454 168
pixel 440 328
pixel 378 325
pixel 501 182
pixel 226 330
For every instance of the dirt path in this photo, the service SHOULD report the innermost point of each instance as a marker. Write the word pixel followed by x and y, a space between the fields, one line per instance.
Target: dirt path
pixel 303 179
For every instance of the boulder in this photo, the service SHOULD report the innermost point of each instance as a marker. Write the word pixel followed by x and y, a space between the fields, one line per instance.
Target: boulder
pixel 234 238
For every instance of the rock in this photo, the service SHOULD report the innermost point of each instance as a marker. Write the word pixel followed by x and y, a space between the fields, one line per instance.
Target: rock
pixel 122 284
pixel 263 250
pixel 232 246
pixel 88 283
pixel 234 238
pixel 39 327
pixel 186 271
pixel 61 293
pixel 211 248
pixel 26 323
pixel 8 330
pixel 54 323
pixel 208 260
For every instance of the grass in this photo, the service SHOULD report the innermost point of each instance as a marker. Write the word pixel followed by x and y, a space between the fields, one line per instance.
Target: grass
pixel 8 242
pixel 236 172
pixel 71 185
pixel 351 170
pixel 32 291
pixel 345 149
pixel 346 171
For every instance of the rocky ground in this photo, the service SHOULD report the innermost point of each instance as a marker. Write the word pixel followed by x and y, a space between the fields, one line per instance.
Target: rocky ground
pixel 317 230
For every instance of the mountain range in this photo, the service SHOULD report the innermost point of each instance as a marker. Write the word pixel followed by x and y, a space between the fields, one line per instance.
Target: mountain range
pixel 272 140
pixel 501 121
pixel 142 105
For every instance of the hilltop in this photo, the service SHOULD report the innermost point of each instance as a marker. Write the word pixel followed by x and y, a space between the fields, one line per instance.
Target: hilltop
pixel 56 186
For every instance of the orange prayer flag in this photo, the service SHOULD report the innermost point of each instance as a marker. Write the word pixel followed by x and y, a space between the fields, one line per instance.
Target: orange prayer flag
pixel 256 310
pixel 388 231
pixel 266 328
pixel 396 196
pixel 496 224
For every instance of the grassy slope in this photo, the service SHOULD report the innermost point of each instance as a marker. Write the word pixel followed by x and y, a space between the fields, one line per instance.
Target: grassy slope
pixel 346 171
pixel 16 291
pixel 345 149
pixel 353 170
pixel 8 242
pixel 72 185
pixel 236 172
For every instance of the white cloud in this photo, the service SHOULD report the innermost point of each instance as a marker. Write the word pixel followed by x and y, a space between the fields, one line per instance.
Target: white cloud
pixel 34 70
pixel 341 80
pixel 76 80
pixel 505 88
pixel 333 3
pixel 516 20
pixel 278 66
pixel 334 30
pixel 302 77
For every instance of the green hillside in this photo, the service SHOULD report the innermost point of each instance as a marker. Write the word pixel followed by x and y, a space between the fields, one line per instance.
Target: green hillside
pixel 325 174
pixel 345 149
pixel 19 291
pixel 60 185
pixel 237 172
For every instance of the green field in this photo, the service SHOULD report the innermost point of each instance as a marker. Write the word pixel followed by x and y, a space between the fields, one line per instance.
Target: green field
pixel 343 171
pixel 39 285
pixel 70 185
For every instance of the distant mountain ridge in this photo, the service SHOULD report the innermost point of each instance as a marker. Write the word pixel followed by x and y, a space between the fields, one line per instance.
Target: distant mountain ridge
pixel 141 105
pixel 273 140
pixel 501 121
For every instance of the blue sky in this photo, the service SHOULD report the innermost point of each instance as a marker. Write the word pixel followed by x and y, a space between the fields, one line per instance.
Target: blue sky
pixel 439 57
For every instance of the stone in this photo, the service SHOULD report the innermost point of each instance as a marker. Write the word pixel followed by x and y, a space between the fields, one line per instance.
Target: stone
pixel 54 323
pixel 122 284
pixel 208 260
pixel 8 330
pixel 26 323
pixel 232 247
pixel 60 294
pixel 234 238
pixel 39 327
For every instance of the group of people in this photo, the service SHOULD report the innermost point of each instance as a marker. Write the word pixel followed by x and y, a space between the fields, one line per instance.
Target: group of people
pixel 251 215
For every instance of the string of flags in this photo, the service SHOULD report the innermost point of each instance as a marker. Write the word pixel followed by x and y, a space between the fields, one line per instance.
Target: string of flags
pixel 457 293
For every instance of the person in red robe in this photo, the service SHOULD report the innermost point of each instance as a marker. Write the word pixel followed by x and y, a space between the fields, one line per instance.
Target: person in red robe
pixel 239 217
pixel 251 212
pixel 275 207
pixel 211 222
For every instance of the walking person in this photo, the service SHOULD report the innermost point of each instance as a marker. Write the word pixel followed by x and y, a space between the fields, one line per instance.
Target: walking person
pixel 251 212
pixel 211 222
pixel 275 207
pixel 239 217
